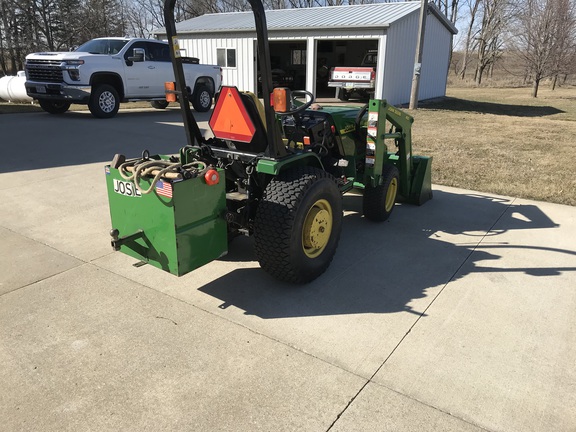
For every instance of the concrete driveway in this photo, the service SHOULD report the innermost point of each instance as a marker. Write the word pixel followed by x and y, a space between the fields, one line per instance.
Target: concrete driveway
pixel 459 315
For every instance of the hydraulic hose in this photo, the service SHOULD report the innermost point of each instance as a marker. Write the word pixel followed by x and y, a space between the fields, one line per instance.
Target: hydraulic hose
pixel 157 168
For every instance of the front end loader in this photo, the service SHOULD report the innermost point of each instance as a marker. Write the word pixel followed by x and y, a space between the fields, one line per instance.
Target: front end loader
pixel 275 170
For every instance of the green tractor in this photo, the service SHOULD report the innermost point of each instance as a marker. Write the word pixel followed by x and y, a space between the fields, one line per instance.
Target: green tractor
pixel 276 170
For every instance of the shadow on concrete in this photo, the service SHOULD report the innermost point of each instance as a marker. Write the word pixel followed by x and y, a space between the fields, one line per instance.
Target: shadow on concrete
pixel 382 268
pixel 455 104
pixel 77 138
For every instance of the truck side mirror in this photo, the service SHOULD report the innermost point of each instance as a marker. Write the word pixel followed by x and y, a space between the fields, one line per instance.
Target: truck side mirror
pixel 137 56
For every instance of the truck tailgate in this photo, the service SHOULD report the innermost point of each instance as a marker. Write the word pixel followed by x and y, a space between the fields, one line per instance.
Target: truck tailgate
pixel 352 74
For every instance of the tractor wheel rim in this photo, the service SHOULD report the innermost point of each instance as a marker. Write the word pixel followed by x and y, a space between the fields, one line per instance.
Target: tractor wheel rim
pixel 391 194
pixel 317 228
pixel 107 101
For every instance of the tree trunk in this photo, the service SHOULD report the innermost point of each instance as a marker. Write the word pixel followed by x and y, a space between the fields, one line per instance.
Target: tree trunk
pixel 464 64
pixel 479 72
pixel 535 85
pixel 554 80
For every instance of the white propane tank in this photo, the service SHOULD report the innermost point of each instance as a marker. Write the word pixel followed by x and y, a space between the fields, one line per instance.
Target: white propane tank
pixel 4 87
pixel 12 88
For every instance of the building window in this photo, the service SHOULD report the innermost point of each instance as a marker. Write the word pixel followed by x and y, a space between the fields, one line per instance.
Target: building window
pixel 298 56
pixel 226 57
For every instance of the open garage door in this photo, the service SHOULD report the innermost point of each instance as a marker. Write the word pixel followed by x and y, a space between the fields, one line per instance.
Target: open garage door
pixel 338 52
pixel 288 61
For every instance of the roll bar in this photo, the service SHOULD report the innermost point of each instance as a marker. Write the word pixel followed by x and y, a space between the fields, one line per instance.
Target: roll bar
pixel 275 146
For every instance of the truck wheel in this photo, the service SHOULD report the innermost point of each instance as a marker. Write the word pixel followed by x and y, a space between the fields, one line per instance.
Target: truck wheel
pixel 104 101
pixel 297 225
pixel 54 107
pixel 343 95
pixel 379 201
pixel 159 104
pixel 202 98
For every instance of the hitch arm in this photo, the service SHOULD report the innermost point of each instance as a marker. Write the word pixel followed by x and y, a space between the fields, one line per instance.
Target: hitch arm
pixel 117 241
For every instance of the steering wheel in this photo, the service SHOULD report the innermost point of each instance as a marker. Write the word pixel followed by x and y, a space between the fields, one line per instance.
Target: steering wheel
pixel 300 108
pixel 359 117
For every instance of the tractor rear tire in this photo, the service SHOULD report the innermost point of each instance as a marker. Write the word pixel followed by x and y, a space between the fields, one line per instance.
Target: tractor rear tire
pixel 379 201
pixel 298 224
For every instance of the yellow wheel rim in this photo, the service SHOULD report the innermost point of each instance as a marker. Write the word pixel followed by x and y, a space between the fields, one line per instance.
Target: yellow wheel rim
pixel 391 194
pixel 317 228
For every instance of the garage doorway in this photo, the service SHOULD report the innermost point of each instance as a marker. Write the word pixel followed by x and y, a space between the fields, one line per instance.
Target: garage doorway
pixel 288 61
pixel 338 52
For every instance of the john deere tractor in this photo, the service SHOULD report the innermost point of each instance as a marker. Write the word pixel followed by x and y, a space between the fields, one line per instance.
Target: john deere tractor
pixel 275 170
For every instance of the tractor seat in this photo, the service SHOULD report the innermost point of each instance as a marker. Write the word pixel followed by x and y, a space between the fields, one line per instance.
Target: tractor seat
pixel 238 119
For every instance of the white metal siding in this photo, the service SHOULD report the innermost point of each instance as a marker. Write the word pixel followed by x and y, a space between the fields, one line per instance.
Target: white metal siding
pixel 397 44
pixel 243 75
pixel 434 60
pixel 399 62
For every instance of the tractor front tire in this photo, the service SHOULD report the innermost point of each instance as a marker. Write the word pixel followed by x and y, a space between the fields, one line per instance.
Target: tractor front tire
pixel 297 225
pixel 104 101
pixel 379 201
pixel 53 107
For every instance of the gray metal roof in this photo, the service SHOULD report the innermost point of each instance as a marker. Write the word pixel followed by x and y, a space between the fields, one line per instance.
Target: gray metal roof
pixel 377 15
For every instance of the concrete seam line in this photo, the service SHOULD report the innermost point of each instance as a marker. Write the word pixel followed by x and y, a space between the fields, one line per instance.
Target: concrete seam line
pixel 421 315
pixel 433 407
pixel 348 404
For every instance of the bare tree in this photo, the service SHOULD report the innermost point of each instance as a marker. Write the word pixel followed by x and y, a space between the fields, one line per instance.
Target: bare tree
pixel 8 30
pixel 544 38
pixel 449 8
pixel 489 39
pixel 471 35
pixel 565 62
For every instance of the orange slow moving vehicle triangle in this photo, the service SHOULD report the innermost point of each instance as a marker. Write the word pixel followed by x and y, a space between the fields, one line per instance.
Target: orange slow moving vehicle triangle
pixel 229 119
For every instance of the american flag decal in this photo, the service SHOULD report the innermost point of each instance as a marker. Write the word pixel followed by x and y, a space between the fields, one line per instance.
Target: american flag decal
pixel 164 188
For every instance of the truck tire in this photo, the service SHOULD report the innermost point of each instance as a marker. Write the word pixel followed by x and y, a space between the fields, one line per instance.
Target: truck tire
pixel 104 101
pixel 297 225
pixel 202 98
pixel 159 104
pixel 54 107
pixel 343 94
pixel 378 202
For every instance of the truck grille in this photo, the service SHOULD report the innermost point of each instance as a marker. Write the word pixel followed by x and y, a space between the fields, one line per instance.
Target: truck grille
pixel 44 70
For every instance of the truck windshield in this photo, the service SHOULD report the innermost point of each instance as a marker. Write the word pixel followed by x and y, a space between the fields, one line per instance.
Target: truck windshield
pixel 102 46
pixel 370 59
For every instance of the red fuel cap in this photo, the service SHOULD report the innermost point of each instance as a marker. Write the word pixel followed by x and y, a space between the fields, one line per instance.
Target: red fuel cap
pixel 212 177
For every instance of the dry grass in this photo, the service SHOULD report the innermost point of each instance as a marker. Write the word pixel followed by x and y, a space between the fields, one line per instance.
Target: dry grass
pixel 489 139
pixel 502 141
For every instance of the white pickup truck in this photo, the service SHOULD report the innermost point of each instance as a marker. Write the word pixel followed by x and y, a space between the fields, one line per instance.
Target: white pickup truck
pixel 106 71
pixel 359 80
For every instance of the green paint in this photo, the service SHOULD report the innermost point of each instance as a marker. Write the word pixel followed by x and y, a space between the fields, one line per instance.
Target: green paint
pixel 179 234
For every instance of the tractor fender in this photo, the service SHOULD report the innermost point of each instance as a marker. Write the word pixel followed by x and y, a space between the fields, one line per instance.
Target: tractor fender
pixel 276 166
